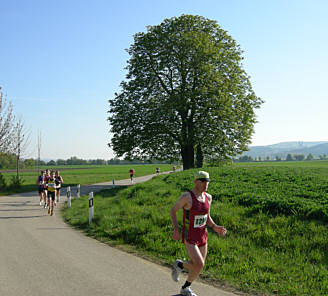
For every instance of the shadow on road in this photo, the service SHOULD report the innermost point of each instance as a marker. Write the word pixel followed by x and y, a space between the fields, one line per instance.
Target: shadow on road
pixel 16 203
pixel 20 217
pixel 19 210
pixel 53 228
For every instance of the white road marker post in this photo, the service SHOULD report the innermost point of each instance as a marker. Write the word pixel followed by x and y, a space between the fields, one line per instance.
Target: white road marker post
pixel 68 193
pixel 91 211
pixel 78 191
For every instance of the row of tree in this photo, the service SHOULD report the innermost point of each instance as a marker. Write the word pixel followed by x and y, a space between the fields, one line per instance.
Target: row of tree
pixel 113 161
pixel 9 161
pixel 289 157
pixel 13 135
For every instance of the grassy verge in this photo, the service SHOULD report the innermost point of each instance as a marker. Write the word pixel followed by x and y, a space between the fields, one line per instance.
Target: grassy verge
pixel 267 250
pixel 85 175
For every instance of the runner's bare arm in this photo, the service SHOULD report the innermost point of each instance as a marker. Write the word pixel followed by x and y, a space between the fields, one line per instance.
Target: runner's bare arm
pixel 181 203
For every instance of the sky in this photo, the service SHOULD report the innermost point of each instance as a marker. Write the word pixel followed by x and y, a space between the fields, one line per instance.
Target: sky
pixel 62 60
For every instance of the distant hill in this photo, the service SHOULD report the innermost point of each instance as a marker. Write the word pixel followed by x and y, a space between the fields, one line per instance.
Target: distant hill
pixel 284 148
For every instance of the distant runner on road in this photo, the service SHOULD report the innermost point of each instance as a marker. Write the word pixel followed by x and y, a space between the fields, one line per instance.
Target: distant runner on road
pixel 196 205
pixel 40 183
pixel 51 181
pixel 59 181
pixel 46 177
pixel 131 171
pixel 157 171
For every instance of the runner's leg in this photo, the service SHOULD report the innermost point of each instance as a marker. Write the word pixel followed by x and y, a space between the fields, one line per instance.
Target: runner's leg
pixel 196 264
pixel 203 250
pixel 44 196
pixel 45 192
pixel 53 198
pixel 58 194
pixel 41 198
pixel 48 201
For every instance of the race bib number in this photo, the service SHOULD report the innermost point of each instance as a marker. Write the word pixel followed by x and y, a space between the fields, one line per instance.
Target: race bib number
pixel 200 220
pixel 51 186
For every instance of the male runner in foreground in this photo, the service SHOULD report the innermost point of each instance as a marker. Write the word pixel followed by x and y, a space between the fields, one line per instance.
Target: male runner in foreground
pixel 196 216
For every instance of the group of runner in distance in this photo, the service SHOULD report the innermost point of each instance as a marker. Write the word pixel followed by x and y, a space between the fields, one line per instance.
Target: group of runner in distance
pixel 49 184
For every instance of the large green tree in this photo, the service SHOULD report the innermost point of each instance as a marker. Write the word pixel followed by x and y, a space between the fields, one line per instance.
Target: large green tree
pixel 185 88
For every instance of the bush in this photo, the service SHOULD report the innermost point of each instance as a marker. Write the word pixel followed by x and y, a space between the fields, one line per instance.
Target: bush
pixel 3 184
pixel 16 182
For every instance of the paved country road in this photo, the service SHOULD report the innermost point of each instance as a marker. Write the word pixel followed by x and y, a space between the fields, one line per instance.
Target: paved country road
pixel 40 255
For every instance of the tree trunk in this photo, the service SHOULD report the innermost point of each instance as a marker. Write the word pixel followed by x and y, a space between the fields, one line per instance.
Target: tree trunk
pixel 188 157
pixel 17 167
pixel 199 157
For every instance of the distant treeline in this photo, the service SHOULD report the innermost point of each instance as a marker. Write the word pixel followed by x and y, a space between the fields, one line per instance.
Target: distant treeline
pixel 8 161
pixel 289 157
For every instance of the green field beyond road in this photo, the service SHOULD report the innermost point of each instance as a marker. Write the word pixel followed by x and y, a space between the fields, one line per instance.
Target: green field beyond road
pixel 86 175
pixel 276 217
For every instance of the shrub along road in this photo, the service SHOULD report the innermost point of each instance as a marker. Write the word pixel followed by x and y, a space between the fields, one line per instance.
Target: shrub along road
pixel 41 255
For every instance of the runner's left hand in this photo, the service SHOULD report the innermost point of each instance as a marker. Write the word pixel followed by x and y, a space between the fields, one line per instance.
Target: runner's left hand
pixel 220 230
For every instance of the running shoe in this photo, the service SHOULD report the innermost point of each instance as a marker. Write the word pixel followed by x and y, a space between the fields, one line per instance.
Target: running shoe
pixel 52 212
pixel 45 206
pixel 187 292
pixel 49 210
pixel 176 270
pixel 40 203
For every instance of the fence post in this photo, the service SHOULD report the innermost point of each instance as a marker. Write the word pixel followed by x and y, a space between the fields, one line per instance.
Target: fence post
pixel 91 212
pixel 78 191
pixel 68 193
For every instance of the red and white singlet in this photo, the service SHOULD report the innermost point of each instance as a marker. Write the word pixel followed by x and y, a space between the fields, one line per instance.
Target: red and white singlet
pixel 194 222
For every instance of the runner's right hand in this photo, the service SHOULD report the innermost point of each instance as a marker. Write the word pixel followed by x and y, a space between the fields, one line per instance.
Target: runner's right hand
pixel 176 234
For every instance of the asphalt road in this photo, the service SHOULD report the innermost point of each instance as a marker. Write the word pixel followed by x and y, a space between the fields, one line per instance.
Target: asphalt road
pixel 41 255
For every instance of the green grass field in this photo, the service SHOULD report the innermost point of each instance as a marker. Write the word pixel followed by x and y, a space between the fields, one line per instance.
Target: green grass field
pixel 313 164
pixel 276 217
pixel 86 175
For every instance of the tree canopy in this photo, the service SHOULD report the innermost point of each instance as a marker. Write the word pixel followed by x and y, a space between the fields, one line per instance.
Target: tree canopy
pixel 6 123
pixel 185 91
